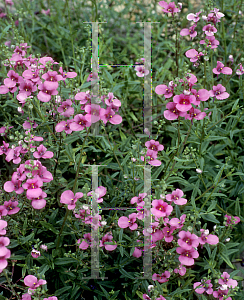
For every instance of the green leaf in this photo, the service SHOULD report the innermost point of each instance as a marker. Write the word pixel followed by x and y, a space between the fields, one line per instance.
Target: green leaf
pixel 140 294
pixel 227 260
pixel 62 290
pixel 210 217
pixel 126 274
pixel 109 76
pixel 66 261
pixel 105 292
pixel 49 227
pixel 114 297
pixel 121 250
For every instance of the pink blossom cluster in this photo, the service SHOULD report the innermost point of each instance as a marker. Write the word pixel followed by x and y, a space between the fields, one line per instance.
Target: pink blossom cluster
pixel 170 8
pixel 225 282
pixel 33 283
pixel 37 80
pixel 5 253
pixel 30 176
pixel 84 215
pixel 183 104
pixel 152 150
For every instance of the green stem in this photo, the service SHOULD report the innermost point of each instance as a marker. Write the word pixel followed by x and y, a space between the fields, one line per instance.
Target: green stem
pixel 10 285
pixel 41 116
pixel 112 148
pixel 76 178
pixel 176 153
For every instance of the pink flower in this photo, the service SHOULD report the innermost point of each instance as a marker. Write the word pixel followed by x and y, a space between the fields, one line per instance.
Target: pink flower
pixel 69 198
pixel 209 30
pixel 13 185
pixel 100 192
pixel 195 113
pixel 27 125
pixel 92 77
pixel 202 287
pixel 14 154
pixel 220 293
pixel 141 72
pixel 33 187
pixel 161 278
pixel 112 101
pixel 51 298
pixel 107 238
pixel 175 222
pixel 146 297
pixel 231 220
pixel 11 207
pixel 220 68
pixel 43 247
pixel 12 79
pixel 42 152
pixel 66 108
pixel 46 12
pixel 4 241
pixel 125 222
pixel 184 102
pixel 93 113
pixel 3 211
pixel 38 202
pixel 64 125
pixel 83 97
pixel 188 240
pixel 168 8
pixel 86 241
pixel 32 75
pixel 193 55
pixel 225 279
pixel 35 253
pixel 45 92
pixel 173 113
pixel 67 74
pixel 176 197
pixel 240 71
pixel 152 158
pixel 161 208
pixel 162 89
pixel 27 87
pixel 211 41
pixel 201 95
pixel 5 253
pixel 208 238
pixel 51 80
pixel 181 270
pixel 109 115
pixel 154 145
pixel 193 17
pixel 187 256
pixel 167 232
pixel 160 296
pixel 191 31
pixel 33 282
pixel 219 92
pixel 139 199
pixel 80 122
pixel 2 225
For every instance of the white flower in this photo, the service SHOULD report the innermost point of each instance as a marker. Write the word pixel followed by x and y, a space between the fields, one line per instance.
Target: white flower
pixel 214 227
pixel 224 287
pixel 199 171
pixel 85 206
pixel 227 240
pixel 206 231
pixel 150 287
pixel 103 223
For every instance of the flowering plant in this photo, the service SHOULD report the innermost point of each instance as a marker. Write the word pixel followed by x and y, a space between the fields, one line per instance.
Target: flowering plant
pixel 102 195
